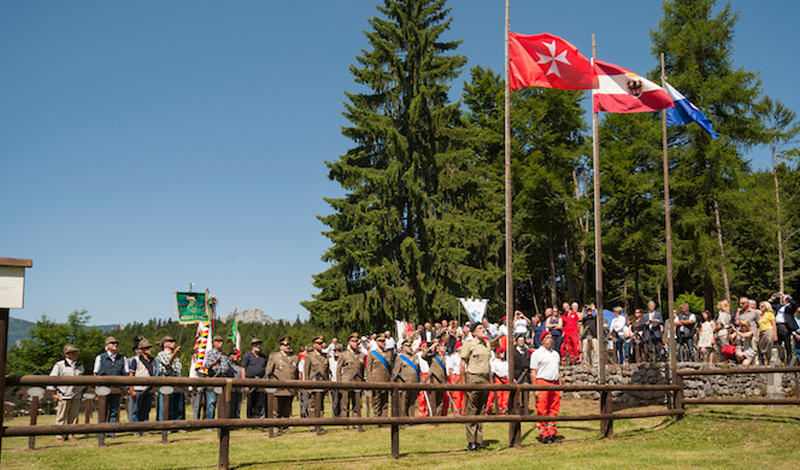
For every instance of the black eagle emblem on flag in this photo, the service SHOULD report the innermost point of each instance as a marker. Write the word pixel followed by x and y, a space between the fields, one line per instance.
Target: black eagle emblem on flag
pixel 635 87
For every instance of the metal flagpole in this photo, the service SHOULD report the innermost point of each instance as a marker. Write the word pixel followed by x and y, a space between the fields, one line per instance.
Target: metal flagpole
pixel 514 429
pixel 673 362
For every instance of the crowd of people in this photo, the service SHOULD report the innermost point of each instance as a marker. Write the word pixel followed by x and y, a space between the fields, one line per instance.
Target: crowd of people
pixel 440 353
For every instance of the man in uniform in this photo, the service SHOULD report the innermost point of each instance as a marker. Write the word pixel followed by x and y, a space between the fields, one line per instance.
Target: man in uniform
pixel 406 368
pixel 67 397
pixel 545 363
pixel 379 369
pixel 254 363
pixel 437 373
pixel 282 365
pixel 111 363
pixel 316 368
pixel 350 368
pixel 475 356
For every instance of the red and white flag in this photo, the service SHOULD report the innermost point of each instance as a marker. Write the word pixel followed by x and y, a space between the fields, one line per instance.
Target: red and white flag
pixel 622 91
pixel 547 61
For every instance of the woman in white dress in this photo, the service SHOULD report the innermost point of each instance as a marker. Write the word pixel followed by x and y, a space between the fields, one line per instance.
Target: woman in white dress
pixel 706 341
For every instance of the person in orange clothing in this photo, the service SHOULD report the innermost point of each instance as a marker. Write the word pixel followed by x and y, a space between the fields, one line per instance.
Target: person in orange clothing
pixel 458 398
pixel 571 349
pixel 545 363
pixel 499 368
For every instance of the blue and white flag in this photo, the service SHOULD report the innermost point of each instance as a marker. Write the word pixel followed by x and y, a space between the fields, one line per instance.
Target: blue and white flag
pixel 685 112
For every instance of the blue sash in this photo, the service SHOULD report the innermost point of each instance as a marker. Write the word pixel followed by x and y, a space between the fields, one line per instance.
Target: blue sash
pixel 440 363
pixel 383 361
pixel 411 363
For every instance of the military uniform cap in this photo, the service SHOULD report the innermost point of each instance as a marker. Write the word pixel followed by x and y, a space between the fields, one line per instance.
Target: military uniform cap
pixel 354 336
pixel 285 339
pixel 381 337
pixel 318 338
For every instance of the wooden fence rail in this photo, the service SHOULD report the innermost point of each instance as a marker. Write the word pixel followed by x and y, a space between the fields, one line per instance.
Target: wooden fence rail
pixel 227 385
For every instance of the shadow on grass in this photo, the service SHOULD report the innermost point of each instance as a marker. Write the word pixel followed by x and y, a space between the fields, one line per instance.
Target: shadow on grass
pixel 738 415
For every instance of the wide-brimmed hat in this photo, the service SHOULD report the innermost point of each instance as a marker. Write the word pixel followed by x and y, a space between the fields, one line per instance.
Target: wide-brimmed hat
pixel 68 348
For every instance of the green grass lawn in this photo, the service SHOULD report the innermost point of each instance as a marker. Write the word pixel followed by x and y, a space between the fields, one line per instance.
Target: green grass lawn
pixel 710 437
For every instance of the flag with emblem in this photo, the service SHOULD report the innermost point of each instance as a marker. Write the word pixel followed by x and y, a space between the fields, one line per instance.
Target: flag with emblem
pixel 547 61
pixel 622 91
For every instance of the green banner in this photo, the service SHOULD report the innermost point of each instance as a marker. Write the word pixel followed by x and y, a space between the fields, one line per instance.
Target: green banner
pixel 192 307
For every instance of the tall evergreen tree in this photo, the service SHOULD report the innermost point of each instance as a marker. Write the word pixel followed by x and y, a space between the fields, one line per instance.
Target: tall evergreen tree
pixel 405 240
pixel 697 46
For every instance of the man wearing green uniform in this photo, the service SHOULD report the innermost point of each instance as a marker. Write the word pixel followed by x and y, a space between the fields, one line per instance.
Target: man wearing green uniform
pixel 350 368
pixel 379 369
pixel 316 368
pixel 282 365
pixel 406 367
pixel 475 355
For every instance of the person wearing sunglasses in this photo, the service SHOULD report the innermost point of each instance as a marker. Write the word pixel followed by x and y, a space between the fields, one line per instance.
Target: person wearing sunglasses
pixel 111 363
pixel 316 368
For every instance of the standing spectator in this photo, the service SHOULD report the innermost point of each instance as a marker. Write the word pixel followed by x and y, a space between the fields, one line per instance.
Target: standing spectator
pixel 67 397
pixel 389 342
pixel 534 332
pixel 544 367
pixel 475 356
pixel 705 343
pixel 406 367
pixel 571 349
pixel 499 374
pixel 767 332
pixel 747 311
pixel 685 323
pixel 521 323
pixel 282 365
pixel 436 358
pixel 254 365
pixel 111 363
pixel 142 366
pixel 784 307
pixel 169 365
pixel 653 332
pixel 234 358
pixel 332 347
pixel 218 366
pixel 555 325
pixel 522 358
pixel 721 325
pixel 591 345
pixel 617 328
pixel 638 327
pixel 379 369
pixel 491 331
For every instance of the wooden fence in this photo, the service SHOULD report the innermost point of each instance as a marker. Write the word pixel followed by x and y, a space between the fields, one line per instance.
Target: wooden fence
pixel 225 424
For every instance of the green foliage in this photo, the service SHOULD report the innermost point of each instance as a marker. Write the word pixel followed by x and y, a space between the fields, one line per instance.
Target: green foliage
pixel 696 304
pixel 47 339
pixel 406 238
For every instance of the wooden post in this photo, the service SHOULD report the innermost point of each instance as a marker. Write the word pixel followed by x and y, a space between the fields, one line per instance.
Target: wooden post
pixel 270 411
pixel 224 432
pixel 34 415
pixel 101 418
pixel 318 409
pixel 87 409
pixel 678 380
pixel 165 416
pixel 3 347
pixel 514 429
pixel 395 427
pixel 607 407
pixel 358 409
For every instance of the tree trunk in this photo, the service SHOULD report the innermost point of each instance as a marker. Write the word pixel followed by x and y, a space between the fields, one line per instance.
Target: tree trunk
pixel 551 252
pixel 726 287
pixel 778 215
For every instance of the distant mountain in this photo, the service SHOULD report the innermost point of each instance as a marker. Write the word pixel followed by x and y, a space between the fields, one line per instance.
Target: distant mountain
pixel 251 315
pixel 18 330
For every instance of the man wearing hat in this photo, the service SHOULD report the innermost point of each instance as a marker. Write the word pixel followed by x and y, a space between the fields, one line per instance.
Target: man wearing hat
pixel 316 368
pixel 142 366
pixel 350 368
pixel 67 397
pixel 437 372
pixel 282 365
pixel 457 397
pixel 218 365
pixel 111 363
pixel 499 372
pixel 545 363
pixel 475 356
pixel 406 370
pixel 169 365
pixel 254 365
pixel 379 369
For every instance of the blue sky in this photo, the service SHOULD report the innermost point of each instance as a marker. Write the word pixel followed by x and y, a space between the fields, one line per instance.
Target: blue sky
pixel 146 145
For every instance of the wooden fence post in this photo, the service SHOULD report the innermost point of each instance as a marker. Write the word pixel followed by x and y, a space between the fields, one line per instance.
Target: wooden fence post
pixel 34 414
pixel 164 415
pixel 270 411
pixel 224 432
pixel 395 427
pixel 679 396
pixel 101 418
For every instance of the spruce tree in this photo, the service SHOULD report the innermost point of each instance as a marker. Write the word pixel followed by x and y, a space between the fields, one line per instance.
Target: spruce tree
pixel 405 240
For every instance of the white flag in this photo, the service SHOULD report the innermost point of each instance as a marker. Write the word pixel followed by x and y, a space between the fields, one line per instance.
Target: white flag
pixel 475 308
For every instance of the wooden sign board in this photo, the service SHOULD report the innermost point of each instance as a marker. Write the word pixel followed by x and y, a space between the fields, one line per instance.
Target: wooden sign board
pixel 12 286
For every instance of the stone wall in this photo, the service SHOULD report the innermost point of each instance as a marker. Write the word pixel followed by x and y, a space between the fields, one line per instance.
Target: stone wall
pixel 704 386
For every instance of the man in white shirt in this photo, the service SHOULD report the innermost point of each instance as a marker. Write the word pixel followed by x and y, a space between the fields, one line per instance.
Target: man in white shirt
pixel 545 371
pixel 390 345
